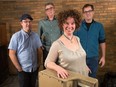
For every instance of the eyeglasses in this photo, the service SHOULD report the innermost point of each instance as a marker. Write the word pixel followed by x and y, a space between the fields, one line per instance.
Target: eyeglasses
pixel 49 8
pixel 26 21
pixel 89 11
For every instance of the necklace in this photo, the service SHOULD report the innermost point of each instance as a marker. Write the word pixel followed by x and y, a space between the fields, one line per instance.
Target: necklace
pixel 69 38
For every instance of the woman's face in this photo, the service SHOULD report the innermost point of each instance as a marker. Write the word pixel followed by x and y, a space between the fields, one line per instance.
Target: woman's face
pixel 69 26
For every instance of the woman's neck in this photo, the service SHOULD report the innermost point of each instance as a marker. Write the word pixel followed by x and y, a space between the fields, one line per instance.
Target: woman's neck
pixel 69 37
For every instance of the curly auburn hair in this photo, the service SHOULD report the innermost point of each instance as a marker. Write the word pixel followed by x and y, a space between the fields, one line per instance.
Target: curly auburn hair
pixel 73 13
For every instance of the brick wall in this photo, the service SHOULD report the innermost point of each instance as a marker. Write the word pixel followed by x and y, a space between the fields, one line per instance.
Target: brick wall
pixel 105 12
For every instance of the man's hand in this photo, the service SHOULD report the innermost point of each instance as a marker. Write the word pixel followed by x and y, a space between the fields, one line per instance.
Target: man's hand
pixel 102 61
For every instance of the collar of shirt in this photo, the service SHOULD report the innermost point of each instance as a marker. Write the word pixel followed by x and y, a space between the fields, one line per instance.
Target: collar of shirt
pixel 46 18
pixel 84 24
pixel 85 21
pixel 26 34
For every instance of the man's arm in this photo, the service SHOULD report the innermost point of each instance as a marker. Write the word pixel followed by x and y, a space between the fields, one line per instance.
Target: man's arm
pixel 12 55
pixel 40 56
pixel 40 31
pixel 103 50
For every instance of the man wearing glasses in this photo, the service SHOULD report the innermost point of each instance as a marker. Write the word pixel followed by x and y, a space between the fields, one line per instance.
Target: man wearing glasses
pixel 24 48
pixel 48 29
pixel 92 35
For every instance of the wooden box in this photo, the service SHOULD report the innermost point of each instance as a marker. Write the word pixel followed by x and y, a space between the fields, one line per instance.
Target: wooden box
pixel 48 78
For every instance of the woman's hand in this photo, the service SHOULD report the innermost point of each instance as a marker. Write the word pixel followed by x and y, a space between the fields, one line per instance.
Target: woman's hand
pixel 61 72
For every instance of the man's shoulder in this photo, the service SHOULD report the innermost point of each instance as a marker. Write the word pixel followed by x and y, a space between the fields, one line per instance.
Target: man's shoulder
pixel 35 33
pixel 42 19
pixel 17 33
pixel 98 25
pixel 96 22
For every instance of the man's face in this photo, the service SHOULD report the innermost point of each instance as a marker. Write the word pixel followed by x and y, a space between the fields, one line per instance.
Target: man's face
pixel 49 10
pixel 88 13
pixel 26 25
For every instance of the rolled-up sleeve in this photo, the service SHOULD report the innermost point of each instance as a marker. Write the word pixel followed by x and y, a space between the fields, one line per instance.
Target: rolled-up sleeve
pixel 102 34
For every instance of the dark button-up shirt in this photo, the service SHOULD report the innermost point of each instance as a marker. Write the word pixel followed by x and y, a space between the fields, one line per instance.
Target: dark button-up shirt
pixel 49 32
pixel 91 38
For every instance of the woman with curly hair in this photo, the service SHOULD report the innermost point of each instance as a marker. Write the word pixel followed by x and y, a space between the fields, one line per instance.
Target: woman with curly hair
pixel 67 50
